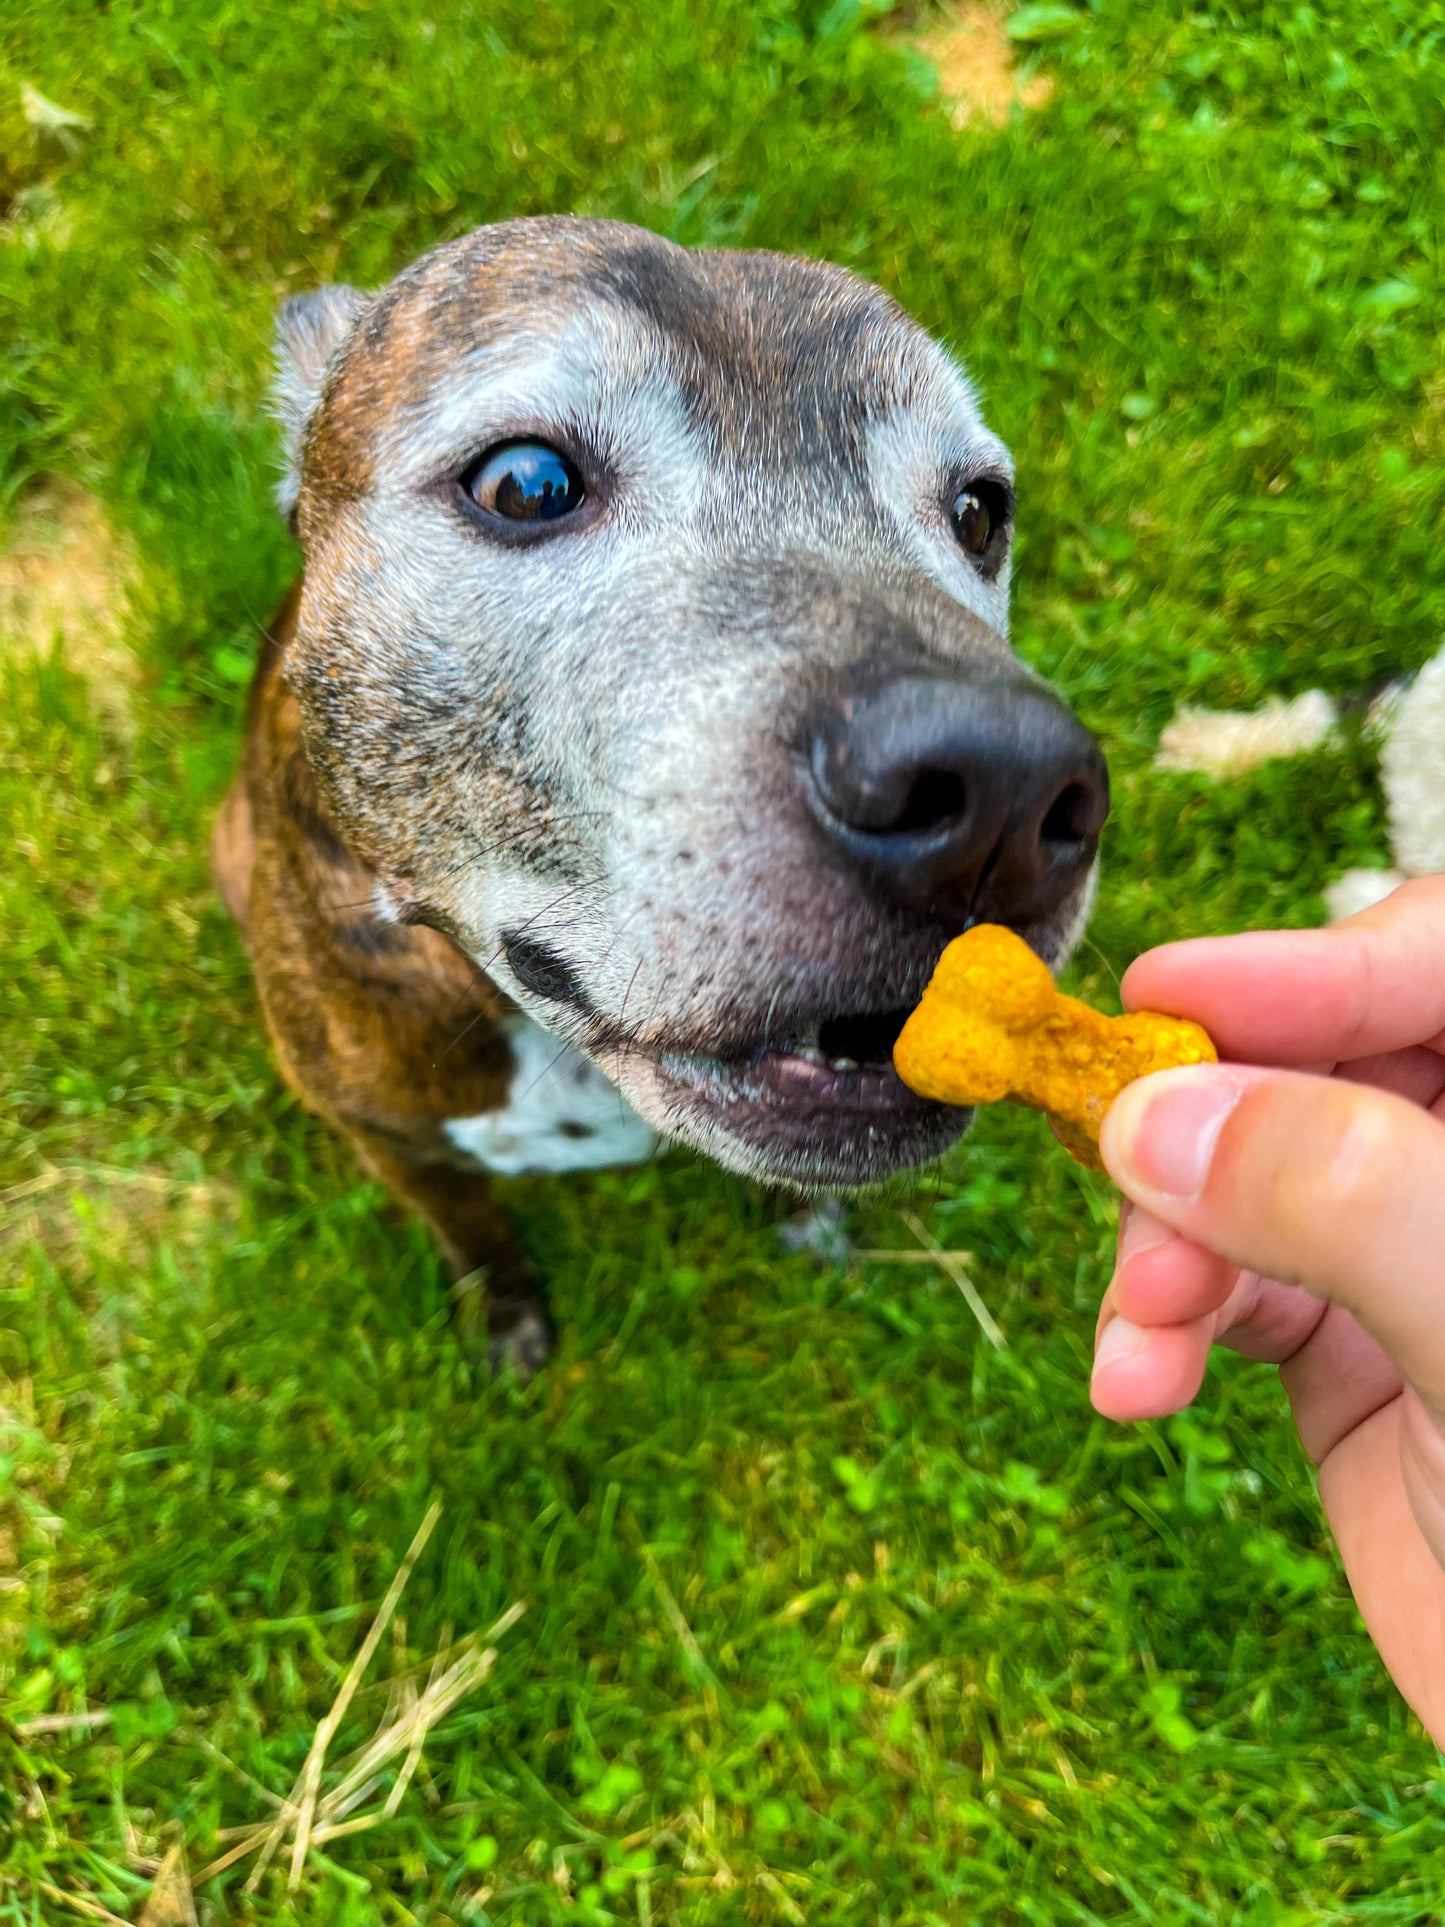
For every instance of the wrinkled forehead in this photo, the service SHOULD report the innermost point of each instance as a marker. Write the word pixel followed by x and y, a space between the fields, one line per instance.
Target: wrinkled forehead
pixel 759 360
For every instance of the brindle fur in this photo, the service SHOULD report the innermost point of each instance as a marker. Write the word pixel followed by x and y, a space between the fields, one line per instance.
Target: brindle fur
pixel 384 1029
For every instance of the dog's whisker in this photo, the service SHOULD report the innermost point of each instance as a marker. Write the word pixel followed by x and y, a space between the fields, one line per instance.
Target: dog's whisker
pixel 1114 975
pixel 768 1021
pixel 564 1049
pixel 622 1014
pixel 466 1030
pixel 482 851
pixel 473 987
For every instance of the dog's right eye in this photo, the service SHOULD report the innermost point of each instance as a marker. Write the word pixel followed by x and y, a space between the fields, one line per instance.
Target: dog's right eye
pixel 525 482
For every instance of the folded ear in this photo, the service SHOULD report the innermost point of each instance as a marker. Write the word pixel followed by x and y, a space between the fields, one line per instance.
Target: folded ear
pixel 311 331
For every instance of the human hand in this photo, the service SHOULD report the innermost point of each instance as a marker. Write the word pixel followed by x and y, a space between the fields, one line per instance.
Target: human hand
pixel 1290 1203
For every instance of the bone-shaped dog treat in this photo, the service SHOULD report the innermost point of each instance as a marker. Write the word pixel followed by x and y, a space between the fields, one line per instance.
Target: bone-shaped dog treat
pixel 991 1025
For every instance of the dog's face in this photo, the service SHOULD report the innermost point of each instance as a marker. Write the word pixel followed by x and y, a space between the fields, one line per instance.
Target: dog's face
pixel 652 644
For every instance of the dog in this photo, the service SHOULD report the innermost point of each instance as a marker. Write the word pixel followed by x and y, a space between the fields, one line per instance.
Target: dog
pixel 641 727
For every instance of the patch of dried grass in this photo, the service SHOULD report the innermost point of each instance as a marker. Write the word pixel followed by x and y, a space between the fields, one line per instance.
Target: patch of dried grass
pixel 971 52
pixel 170 1902
pixel 64 1207
pixel 66 572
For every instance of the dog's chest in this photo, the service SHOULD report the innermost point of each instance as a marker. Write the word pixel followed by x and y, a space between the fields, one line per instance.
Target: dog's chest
pixel 561 1114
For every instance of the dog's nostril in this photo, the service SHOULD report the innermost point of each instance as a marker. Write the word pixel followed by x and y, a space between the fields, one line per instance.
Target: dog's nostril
pixel 936 796
pixel 1072 816
pixel 955 795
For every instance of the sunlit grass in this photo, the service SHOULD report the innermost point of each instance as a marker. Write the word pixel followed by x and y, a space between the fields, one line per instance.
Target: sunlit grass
pixel 836 1612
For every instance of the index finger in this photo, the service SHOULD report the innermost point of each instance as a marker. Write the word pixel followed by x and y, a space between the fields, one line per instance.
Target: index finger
pixel 1374 983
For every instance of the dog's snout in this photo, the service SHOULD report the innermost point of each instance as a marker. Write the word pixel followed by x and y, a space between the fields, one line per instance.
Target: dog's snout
pixel 959 796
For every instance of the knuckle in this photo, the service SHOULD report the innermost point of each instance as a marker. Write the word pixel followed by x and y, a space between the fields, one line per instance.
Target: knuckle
pixel 1420 891
pixel 1323 1163
pixel 1360 1159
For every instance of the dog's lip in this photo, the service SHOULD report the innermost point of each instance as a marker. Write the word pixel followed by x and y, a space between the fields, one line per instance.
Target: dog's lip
pixel 799 1080
pixel 813 1070
pixel 801 1119
pixel 846 1058
pixel 793 1111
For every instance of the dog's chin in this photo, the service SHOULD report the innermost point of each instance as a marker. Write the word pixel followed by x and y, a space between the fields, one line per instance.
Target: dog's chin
pixel 789 1117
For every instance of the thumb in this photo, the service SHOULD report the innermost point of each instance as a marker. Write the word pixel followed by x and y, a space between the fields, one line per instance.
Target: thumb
pixel 1316 1181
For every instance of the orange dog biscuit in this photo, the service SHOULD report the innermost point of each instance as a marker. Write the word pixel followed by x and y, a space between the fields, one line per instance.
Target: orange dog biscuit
pixel 991 1025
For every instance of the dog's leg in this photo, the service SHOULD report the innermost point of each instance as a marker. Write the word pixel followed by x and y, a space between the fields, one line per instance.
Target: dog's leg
pixel 370 1055
pixel 370 1050
pixel 384 1028
pixel 495 1302
pixel 233 857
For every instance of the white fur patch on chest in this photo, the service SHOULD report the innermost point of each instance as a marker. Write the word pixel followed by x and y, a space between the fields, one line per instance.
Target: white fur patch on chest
pixel 561 1114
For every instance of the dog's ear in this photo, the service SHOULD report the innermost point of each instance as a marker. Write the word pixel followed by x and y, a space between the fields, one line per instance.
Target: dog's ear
pixel 311 331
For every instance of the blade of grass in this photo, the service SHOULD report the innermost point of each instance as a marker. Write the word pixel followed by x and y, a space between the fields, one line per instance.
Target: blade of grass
pixel 304 1793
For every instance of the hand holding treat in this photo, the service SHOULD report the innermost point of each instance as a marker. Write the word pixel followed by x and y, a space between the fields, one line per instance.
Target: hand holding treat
pixel 991 1025
pixel 1290 1204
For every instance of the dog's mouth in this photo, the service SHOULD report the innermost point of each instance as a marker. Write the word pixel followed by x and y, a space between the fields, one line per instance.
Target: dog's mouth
pixel 822 1106
pixel 839 1060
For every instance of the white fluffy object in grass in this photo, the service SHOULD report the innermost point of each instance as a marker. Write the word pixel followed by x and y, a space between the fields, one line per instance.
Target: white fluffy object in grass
pixel 1358 890
pixel 1408 721
pixel 1412 773
pixel 1225 742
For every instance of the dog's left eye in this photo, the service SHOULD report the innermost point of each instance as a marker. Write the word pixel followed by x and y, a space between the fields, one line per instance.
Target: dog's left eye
pixel 980 511
pixel 525 482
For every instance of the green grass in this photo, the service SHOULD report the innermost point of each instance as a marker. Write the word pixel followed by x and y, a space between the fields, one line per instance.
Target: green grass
pixel 958 1650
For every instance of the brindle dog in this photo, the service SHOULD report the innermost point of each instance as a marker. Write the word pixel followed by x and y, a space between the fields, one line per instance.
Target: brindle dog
pixel 642 726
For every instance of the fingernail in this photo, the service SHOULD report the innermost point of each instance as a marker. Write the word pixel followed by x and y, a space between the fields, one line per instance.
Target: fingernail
pixel 1119 1339
pixel 1160 1133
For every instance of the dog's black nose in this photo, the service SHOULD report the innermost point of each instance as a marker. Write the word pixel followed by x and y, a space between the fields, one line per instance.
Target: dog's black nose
pixel 962 798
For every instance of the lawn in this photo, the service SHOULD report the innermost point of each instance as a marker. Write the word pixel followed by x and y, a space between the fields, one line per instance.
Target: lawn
pixel 834 1611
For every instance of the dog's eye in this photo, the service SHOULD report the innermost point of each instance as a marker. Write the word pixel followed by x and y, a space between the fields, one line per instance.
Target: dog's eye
pixel 525 482
pixel 980 510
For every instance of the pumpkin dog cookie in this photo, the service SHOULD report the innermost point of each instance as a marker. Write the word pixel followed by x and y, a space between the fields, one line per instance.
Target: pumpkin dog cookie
pixel 991 1025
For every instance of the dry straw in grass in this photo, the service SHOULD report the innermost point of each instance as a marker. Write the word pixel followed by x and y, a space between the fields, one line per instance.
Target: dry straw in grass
pixel 309 1816
pixel 954 1264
